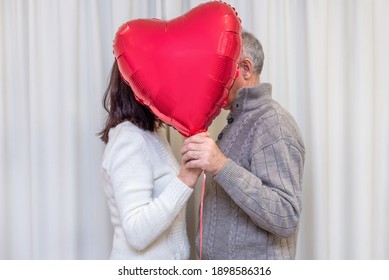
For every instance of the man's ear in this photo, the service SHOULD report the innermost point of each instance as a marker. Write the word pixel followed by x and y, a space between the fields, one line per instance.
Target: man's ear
pixel 246 67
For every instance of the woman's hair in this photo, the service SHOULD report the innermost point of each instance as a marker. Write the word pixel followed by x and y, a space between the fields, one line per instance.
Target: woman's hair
pixel 120 103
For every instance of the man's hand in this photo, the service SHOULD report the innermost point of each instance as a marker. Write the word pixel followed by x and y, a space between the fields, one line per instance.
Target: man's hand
pixel 200 151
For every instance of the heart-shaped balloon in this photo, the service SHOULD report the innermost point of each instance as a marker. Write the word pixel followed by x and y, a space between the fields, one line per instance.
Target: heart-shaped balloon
pixel 182 69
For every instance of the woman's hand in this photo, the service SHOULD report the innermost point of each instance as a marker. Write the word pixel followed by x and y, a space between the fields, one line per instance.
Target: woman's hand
pixel 189 175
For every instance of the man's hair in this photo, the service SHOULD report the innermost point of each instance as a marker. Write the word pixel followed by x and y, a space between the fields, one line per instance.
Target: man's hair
pixel 252 49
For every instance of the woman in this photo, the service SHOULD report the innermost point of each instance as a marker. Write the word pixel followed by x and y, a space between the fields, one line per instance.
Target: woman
pixel 146 190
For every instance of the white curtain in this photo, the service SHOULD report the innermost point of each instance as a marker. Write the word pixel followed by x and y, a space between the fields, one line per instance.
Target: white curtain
pixel 327 60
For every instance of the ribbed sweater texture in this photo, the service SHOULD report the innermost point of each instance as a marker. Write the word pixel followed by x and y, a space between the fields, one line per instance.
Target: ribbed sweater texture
pixel 252 206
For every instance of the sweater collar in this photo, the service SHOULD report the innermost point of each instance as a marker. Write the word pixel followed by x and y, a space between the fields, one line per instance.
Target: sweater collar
pixel 249 98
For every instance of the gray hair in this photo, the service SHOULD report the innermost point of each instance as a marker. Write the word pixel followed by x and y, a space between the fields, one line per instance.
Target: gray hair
pixel 252 49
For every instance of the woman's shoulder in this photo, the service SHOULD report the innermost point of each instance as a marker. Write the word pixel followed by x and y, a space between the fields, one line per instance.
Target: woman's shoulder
pixel 126 126
pixel 126 134
pixel 126 139
pixel 126 129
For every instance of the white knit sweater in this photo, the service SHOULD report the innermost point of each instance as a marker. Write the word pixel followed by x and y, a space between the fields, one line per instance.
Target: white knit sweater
pixel 146 199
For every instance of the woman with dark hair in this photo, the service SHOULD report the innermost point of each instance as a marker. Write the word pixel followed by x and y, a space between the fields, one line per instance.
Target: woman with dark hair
pixel 146 190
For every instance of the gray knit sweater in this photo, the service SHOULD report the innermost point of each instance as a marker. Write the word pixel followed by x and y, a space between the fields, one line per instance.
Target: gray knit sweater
pixel 252 206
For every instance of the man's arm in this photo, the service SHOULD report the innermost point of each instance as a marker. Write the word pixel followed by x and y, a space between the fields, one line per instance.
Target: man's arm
pixel 270 192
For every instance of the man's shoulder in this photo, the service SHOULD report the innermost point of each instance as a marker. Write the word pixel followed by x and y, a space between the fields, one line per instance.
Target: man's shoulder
pixel 274 122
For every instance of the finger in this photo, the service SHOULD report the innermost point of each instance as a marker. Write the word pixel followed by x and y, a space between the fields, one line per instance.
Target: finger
pixel 203 134
pixel 192 147
pixel 198 138
pixel 195 163
pixel 191 155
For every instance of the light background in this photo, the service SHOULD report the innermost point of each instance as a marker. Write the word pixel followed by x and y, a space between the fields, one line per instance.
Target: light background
pixel 328 63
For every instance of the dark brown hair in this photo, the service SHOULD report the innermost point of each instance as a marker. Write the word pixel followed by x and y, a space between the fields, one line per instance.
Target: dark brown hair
pixel 120 103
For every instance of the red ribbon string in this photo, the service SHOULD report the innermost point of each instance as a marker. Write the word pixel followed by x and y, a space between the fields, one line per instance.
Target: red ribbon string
pixel 201 213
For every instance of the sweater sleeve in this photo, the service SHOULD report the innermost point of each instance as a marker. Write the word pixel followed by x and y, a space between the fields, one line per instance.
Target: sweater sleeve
pixel 270 193
pixel 143 217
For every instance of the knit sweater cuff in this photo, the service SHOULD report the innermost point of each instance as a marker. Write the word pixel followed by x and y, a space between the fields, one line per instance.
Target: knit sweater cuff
pixel 180 192
pixel 229 175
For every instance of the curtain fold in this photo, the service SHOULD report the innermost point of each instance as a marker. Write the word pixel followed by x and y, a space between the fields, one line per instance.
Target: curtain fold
pixel 327 61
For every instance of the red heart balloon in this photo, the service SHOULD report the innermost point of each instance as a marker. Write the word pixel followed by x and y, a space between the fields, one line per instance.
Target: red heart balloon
pixel 182 69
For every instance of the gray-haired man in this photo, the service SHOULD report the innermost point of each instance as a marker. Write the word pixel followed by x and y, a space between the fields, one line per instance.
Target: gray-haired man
pixel 253 202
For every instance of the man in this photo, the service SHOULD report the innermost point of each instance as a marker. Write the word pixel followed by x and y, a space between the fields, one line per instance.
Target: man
pixel 252 203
